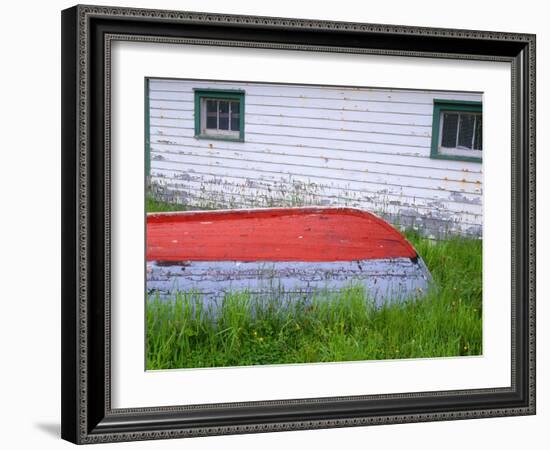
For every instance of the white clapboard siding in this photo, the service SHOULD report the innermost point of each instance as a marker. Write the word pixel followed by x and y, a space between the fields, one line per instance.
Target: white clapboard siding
pixel 186 118
pixel 391 155
pixel 176 128
pixel 313 103
pixel 352 172
pixel 316 145
pixel 342 161
pixel 313 113
pixel 171 119
pixel 274 189
pixel 309 186
pixel 377 142
pixel 312 91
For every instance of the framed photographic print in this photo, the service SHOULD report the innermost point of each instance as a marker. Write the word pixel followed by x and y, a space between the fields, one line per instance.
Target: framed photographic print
pixel 267 222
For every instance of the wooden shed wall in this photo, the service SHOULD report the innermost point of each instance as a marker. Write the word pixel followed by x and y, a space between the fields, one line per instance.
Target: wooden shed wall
pixel 313 145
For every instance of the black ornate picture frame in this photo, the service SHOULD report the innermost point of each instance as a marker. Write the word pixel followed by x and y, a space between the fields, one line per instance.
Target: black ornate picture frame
pixel 87 35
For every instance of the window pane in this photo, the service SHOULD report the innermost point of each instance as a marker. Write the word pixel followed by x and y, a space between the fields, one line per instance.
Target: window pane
pixel 224 115
pixel 479 134
pixel 448 133
pixel 211 114
pixel 466 130
pixel 235 116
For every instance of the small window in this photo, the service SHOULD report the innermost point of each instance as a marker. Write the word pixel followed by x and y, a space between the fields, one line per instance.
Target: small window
pixel 457 131
pixel 219 114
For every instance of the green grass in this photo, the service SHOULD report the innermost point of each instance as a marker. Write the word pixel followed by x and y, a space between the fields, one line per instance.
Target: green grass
pixel 153 205
pixel 342 327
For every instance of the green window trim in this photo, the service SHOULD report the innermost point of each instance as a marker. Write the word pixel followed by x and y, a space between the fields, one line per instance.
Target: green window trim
pixel 451 105
pixel 218 94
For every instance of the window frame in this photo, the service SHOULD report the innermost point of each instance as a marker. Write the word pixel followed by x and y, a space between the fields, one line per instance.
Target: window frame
pixel 217 94
pixel 444 105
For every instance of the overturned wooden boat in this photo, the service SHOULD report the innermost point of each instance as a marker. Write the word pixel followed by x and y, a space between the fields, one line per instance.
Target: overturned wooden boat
pixel 275 252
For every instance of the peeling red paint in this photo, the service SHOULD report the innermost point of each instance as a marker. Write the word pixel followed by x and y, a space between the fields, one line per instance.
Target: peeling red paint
pixel 278 234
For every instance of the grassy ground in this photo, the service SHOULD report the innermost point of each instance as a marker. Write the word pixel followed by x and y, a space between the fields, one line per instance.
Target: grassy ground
pixel 152 205
pixel 344 327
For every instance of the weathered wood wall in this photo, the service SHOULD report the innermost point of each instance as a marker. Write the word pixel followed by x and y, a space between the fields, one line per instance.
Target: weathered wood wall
pixel 312 145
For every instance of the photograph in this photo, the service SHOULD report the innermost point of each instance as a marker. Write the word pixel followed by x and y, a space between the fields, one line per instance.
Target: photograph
pixel 294 222
pixel 302 223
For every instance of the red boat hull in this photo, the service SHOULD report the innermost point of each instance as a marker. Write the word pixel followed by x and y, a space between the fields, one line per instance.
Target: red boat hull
pixel 280 254
pixel 282 234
